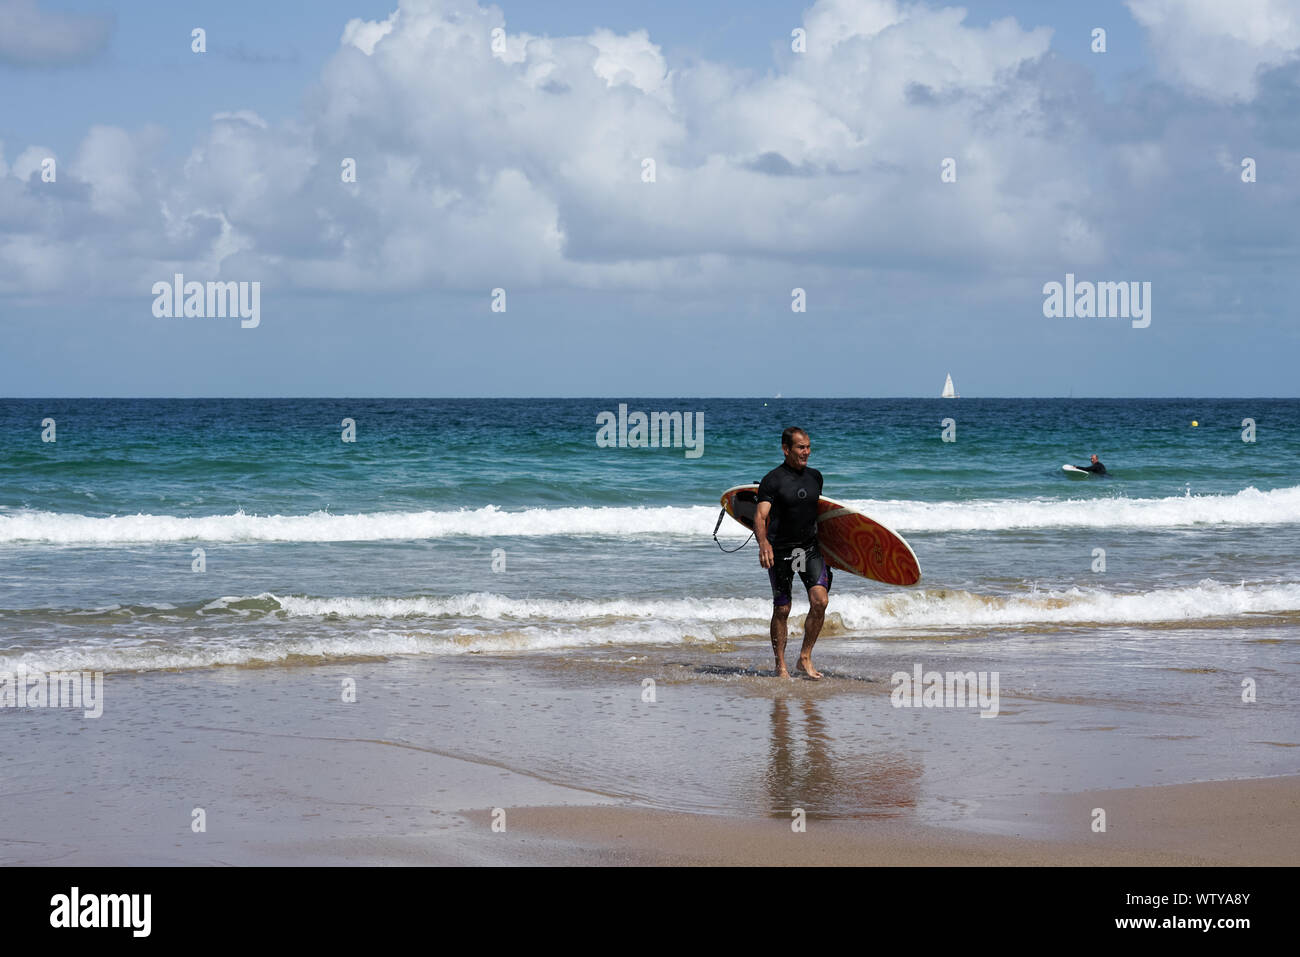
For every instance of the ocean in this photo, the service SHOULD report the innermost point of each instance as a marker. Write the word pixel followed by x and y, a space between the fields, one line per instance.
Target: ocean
pixel 500 525
pixel 532 576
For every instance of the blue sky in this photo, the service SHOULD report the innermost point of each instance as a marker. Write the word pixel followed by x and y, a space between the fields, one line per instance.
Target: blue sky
pixel 521 168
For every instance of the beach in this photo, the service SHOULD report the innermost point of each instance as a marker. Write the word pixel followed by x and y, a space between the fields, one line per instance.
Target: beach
pixel 475 636
pixel 487 760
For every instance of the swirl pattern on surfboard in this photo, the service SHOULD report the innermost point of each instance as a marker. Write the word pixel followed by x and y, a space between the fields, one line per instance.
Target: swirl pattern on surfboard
pixel 854 543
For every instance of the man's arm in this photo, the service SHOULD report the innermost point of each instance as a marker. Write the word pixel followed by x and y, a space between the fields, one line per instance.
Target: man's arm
pixel 765 557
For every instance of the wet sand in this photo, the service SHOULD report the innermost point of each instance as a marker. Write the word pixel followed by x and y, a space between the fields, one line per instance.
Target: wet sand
pixel 574 765
pixel 1213 823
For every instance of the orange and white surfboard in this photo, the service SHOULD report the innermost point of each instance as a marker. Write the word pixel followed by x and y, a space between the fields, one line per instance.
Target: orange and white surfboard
pixel 848 539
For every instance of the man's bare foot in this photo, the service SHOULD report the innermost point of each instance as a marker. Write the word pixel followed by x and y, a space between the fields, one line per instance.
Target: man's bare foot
pixel 781 672
pixel 806 667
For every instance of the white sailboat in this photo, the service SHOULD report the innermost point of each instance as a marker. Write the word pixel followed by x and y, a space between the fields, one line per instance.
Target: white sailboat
pixel 948 391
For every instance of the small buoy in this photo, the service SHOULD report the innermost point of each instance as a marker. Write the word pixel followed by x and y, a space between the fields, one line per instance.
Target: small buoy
pixel 1195 423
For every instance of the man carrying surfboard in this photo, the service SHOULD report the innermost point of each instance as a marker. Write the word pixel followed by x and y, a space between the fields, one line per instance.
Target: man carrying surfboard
pixel 788 543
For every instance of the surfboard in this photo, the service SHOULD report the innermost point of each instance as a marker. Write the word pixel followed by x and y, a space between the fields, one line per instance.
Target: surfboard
pixel 1075 472
pixel 848 539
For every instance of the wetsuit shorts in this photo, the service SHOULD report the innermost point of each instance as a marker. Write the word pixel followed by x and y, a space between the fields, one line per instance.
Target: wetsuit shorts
pixel 786 558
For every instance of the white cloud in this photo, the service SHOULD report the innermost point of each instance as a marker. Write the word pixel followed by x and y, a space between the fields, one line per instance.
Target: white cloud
pixel 831 22
pixel 29 161
pixel 568 122
pixel 476 170
pixel 109 162
pixel 365 34
pixel 30 36
pixel 1216 48
pixel 631 59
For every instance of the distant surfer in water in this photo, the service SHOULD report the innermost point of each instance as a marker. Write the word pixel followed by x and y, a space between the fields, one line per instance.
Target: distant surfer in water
pixel 1096 467
pixel 788 495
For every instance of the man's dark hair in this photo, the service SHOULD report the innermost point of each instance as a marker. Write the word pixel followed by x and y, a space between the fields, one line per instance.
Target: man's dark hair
pixel 787 437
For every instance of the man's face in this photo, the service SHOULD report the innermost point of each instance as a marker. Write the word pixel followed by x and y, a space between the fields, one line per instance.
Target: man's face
pixel 796 456
pixel 1094 460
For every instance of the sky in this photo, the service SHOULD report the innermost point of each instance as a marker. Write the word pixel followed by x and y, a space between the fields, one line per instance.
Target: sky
pixel 838 198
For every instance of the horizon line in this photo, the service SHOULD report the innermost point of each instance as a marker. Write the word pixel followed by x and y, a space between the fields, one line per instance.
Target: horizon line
pixel 764 398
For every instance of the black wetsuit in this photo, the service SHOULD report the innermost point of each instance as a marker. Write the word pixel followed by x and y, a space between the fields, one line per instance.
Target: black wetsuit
pixel 1099 469
pixel 792 530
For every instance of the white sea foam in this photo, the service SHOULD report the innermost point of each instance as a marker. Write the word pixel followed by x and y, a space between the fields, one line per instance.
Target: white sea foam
pixel 1249 507
pixel 405 639
pixel 918 608
pixel 1245 508
pixel 318 628
pixel 491 607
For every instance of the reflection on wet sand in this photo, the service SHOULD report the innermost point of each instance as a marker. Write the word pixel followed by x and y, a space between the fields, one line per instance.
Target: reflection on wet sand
pixel 807 767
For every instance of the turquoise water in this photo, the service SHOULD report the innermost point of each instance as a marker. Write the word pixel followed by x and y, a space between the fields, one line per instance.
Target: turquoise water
pixel 454 526
pixel 204 457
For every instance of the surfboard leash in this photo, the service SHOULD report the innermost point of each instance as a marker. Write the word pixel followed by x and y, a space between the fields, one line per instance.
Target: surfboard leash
pixel 721 515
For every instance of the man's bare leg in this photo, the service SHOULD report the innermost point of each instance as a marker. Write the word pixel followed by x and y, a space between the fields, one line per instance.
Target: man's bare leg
pixel 780 615
pixel 818 598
